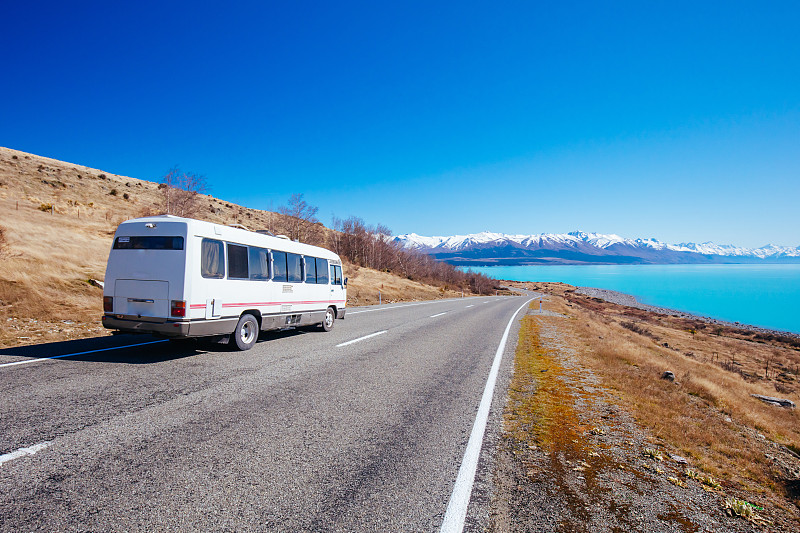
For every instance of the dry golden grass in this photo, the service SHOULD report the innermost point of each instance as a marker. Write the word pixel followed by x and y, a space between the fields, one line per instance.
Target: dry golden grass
pixel 49 256
pixel 708 413
pixel 365 283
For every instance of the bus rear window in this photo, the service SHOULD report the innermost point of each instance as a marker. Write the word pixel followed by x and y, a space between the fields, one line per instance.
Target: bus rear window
pixel 151 242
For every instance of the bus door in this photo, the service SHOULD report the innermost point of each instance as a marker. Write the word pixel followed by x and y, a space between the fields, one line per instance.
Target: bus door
pixel 337 286
pixel 212 269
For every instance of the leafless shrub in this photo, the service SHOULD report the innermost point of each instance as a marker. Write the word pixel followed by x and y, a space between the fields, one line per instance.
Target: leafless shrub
pixel 147 211
pixel 180 192
pixel 636 328
pixel 769 360
pixel 3 241
pixel 302 224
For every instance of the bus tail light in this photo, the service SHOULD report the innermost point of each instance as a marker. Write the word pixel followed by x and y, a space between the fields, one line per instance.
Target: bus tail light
pixel 178 308
pixel 108 304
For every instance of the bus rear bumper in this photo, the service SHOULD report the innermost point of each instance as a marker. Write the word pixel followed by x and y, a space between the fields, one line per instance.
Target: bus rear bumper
pixel 167 328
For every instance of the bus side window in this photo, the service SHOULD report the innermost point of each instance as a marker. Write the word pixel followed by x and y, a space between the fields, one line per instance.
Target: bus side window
pixel 336 274
pixel 259 263
pixel 237 262
pixel 293 268
pixel 212 259
pixel 311 270
pixel 279 264
pixel 322 271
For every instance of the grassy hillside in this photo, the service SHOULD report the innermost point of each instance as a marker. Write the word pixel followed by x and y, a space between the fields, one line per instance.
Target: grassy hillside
pixel 57 224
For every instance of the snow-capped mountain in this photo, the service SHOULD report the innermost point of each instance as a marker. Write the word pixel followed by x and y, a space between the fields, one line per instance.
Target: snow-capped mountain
pixel 580 247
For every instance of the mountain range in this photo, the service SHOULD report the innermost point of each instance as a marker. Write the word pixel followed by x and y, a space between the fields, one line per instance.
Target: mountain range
pixel 577 247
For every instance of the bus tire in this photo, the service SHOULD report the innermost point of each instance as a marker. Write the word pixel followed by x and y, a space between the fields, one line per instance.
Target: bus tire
pixel 330 316
pixel 245 335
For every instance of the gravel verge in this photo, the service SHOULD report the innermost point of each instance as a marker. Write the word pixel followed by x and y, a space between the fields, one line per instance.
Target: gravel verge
pixel 597 470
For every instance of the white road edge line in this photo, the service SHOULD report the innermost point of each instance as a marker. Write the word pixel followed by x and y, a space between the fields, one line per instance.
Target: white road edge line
pixel 365 337
pixel 22 452
pixel 79 353
pixel 459 500
pixel 437 314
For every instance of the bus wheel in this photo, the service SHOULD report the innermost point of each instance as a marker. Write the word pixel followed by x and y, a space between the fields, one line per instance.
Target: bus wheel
pixel 330 315
pixel 246 333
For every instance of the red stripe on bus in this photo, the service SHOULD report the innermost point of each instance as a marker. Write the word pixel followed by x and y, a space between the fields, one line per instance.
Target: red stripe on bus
pixel 246 304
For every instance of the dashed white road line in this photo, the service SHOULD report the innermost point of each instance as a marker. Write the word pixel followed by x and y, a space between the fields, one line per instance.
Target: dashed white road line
pixel 25 362
pixel 459 500
pixel 22 452
pixel 365 337
pixel 437 314
pixel 470 305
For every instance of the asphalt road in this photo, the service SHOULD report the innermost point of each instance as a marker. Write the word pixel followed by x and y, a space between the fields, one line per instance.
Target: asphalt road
pixel 297 434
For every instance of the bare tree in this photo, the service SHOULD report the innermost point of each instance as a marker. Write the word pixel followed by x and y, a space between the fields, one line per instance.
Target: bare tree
pixel 180 190
pixel 303 224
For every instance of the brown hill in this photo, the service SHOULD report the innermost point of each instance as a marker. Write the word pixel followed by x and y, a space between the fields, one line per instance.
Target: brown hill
pixel 55 232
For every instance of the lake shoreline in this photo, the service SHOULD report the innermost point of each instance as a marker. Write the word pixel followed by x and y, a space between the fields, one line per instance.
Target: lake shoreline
pixel 630 300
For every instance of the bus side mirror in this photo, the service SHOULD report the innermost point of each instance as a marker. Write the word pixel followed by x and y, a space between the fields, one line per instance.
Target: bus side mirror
pixel 345 282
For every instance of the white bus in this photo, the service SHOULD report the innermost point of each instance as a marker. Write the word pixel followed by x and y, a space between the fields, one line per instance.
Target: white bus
pixel 180 277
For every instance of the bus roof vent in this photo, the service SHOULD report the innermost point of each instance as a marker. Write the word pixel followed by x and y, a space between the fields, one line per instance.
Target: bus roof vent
pixel 265 232
pixel 283 237
pixel 239 226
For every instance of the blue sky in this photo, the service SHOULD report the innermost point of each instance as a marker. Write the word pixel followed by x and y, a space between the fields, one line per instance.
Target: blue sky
pixel 675 120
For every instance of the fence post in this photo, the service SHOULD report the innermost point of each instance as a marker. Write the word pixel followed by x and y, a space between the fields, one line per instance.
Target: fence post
pixel 380 298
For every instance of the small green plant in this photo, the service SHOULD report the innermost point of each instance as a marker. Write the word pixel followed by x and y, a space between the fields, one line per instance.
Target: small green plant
pixel 746 510
pixel 126 196
pixel 45 207
pixel 692 474
pixel 738 507
pixel 114 192
pixel 708 481
pixel 654 454
pixel 677 482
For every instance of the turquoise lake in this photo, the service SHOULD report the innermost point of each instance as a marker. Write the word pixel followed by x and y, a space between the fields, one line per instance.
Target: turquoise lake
pixel 761 295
